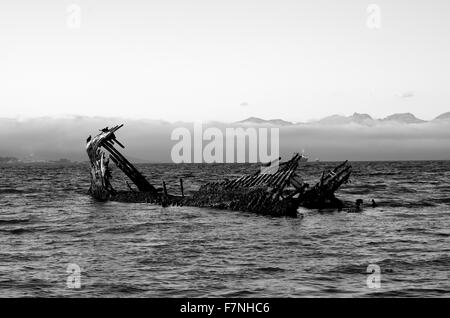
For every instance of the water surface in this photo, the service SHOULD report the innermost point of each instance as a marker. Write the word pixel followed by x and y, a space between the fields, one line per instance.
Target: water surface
pixel 48 221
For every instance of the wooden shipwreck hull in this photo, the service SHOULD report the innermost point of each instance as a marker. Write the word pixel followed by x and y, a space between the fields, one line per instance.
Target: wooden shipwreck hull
pixel 276 189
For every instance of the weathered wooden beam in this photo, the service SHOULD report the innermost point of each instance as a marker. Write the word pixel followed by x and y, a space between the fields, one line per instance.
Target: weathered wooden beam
pixel 134 174
pixel 164 188
pixel 181 187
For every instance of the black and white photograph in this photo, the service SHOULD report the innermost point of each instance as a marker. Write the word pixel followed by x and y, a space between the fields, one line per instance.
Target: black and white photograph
pixel 239 151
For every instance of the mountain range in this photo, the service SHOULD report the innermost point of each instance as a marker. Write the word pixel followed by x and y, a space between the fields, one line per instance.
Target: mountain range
pixel 356 118
pixel 355 137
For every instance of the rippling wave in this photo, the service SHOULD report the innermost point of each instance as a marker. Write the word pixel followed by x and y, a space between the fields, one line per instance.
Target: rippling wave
pixel 48 221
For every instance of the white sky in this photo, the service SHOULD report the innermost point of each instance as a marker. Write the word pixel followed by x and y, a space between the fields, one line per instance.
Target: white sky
pixel 224 60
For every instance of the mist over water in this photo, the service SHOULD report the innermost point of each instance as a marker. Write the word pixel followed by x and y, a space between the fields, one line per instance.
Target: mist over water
pixel 150 140
pixel 48 221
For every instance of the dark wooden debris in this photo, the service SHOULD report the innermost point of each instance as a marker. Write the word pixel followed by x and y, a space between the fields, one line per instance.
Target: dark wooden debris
pixel 101 187
pixel 276 189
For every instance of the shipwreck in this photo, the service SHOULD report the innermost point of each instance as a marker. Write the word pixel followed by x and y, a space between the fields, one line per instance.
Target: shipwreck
pixel 276 189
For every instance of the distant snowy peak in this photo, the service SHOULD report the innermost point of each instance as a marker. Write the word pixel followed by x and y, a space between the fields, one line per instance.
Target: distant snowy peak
pixel 404 118
pixel 362 119
pixel 334 120
pixel 259 121
pixel 444 116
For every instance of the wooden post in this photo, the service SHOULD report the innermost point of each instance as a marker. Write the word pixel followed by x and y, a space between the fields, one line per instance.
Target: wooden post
pixel 182 189
pixel 164 188
pixel 164 199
